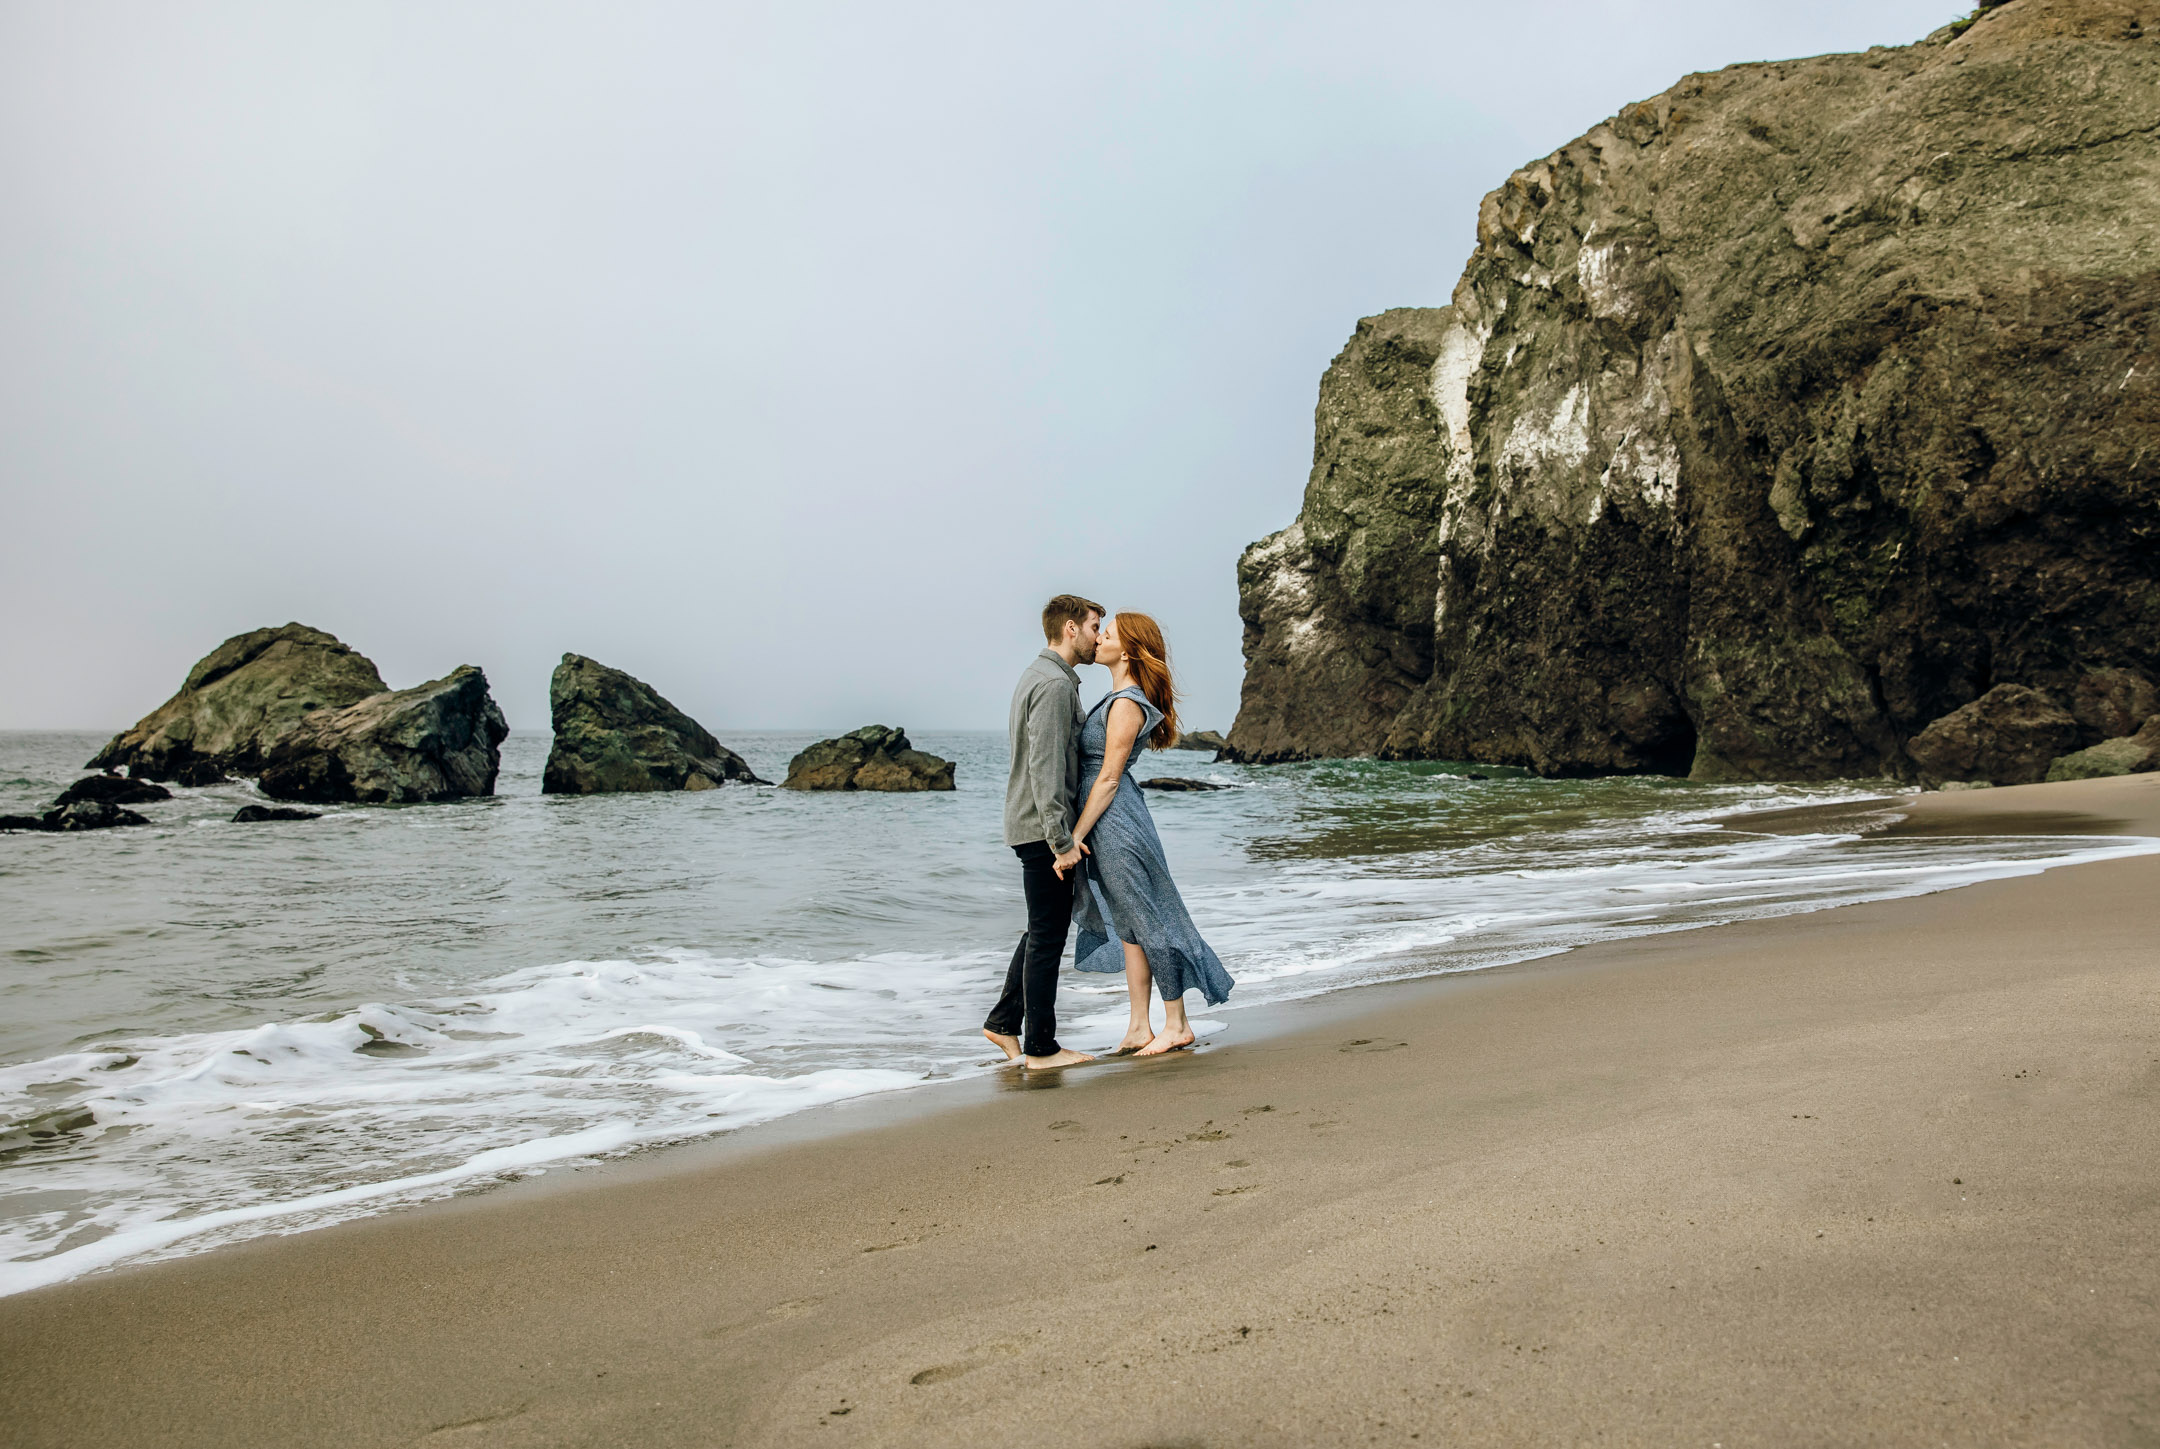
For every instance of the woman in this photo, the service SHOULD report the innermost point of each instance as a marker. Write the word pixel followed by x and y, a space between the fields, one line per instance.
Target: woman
pixel 1125 895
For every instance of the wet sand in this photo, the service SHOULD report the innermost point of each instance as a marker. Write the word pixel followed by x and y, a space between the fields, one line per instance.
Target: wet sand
pixel 1888 1173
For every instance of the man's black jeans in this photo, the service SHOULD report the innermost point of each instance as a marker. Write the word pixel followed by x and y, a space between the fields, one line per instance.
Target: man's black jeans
pixel 1031 981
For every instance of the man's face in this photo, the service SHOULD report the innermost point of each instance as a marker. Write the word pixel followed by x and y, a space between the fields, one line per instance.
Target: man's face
pixel 1086 638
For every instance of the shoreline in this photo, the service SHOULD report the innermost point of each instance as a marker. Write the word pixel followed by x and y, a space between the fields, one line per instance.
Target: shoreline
pixel 1891 815
pixel 602 1148
pixel 728 1291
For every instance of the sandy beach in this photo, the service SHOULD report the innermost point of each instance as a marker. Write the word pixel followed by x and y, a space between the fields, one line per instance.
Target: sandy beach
pixel 1882 1174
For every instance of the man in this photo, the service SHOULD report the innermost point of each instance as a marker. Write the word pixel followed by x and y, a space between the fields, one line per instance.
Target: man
pixel 1040 798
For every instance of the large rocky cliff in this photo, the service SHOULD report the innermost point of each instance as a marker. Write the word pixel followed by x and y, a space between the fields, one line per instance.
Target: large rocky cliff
pixel 1774 419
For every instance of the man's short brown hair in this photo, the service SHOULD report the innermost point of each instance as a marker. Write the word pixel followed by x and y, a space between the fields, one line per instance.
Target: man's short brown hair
pixel 1064 607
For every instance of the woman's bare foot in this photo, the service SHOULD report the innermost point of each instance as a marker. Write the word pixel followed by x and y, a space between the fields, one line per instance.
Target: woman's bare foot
pixel 1167 1041
pixel 1010 1045
pixel 1135 1038
pixel 1066 1058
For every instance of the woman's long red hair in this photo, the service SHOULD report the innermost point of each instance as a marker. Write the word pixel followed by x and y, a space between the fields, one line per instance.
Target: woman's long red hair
pixel 1149 660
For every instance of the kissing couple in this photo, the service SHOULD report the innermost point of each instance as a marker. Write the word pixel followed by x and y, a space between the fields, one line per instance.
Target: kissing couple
pixel 1106 867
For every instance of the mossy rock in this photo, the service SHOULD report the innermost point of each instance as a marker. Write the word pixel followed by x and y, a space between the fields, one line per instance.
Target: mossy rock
pixel 2136 754
pixel 238 702
pixel 614 734
pixel 875 757
pixel 436 741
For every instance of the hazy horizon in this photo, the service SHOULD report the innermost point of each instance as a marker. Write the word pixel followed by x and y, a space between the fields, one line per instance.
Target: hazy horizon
pixel 785 357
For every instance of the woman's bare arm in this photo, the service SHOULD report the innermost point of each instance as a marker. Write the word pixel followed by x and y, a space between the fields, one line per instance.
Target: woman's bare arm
pixel 1121 734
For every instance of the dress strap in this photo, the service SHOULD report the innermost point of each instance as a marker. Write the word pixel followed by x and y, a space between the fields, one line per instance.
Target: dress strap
pixel 1150 716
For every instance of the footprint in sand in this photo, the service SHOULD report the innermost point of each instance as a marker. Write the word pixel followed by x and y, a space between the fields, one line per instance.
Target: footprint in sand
pixel 941 1373
pixel 1371 1044
pixel 975 1360
pixel 466 1429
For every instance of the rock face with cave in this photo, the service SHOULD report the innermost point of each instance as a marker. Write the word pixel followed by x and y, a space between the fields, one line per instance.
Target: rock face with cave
pixel 1772 421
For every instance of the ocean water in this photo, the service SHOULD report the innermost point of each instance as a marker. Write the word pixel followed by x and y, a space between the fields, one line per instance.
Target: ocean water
pixel 210 1031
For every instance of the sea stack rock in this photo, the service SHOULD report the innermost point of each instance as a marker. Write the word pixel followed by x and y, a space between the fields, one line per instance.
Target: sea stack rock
pixel 1775 419
pixel 1200 740
pixel 238 702
pixel 614 732
pixel 436 741
pixel 875 757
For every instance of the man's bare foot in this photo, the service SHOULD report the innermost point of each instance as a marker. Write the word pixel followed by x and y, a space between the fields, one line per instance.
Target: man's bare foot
pixel 1165 1042
pixel 1010 1045
pixel 1135 1039
pixel 1066 1058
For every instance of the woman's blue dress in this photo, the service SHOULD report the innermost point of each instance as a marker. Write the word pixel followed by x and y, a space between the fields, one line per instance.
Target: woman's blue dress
pixel 1125 892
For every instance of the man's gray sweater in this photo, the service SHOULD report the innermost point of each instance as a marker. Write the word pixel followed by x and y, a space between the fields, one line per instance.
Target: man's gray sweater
pixel 1045 731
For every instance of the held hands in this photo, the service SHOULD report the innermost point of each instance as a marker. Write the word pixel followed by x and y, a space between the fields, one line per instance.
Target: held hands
pixel 1069 859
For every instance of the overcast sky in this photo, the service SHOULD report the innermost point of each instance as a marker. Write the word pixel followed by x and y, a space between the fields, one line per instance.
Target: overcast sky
pixel 784 355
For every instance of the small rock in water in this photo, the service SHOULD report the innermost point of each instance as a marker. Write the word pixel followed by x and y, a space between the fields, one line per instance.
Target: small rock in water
pixel 1173 782
pixel 251 814
pixel 90 815
pixel 875 757
pixel 21 822
pixel 112 789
